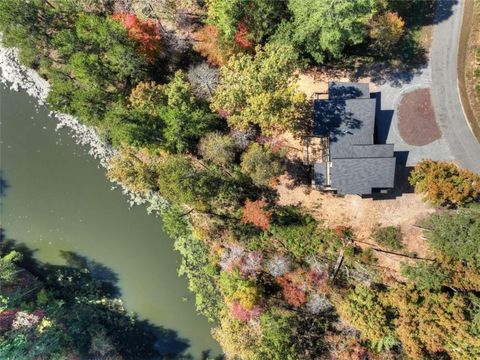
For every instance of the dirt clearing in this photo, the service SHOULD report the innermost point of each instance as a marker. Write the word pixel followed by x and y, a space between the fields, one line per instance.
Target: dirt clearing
pixel 363 214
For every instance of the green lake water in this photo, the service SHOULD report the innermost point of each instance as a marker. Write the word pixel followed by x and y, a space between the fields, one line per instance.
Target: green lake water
pixel 56 198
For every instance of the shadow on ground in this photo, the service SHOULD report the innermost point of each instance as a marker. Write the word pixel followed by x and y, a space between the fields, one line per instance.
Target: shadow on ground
pixel 383 120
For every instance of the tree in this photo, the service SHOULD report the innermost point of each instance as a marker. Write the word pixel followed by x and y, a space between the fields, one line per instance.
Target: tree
pixel 293 289
pixel 147 95
pixel 429 323
pixel 262 18
pixel 444 183
pixel 245 23
pixel 456 235
pixel 322 29
pixel 99 62
pixel 225 15
pixel 168 115
pixel 195 264
pixel 181 183
pixel 425 276
pixel 363 309
pixel 278 340
pixel 242 36
pixel 8 269
pixel 123 125
pixel 185 182
pixel 146 33
pixel 204 80
pixel 186 119
pixel 260 90
pixel 134 169
pixel 207 43
pixel 236 288
pixel 24 25
pixel 261 164
pixel 254 213
pixel 235 337
pixel 217 148
pixel 386 30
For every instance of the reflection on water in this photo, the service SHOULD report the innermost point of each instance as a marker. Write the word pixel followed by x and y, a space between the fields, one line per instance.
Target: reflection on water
pixel 55 198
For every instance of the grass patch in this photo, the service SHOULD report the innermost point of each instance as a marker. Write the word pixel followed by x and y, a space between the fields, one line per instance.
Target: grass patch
pixel 389 237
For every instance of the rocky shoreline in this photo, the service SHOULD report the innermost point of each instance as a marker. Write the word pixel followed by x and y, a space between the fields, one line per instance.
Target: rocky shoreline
pixel 17 77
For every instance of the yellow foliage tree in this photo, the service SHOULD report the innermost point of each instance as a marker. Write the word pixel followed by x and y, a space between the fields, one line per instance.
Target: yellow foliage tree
pixel 237 339
pixel 428 323
pixel 386 30
pixel 135 169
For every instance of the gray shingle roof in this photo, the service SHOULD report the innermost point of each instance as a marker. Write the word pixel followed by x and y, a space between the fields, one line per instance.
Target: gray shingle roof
pixel 348 119
pixel 360 175
pixel 372 150
pixel 348 90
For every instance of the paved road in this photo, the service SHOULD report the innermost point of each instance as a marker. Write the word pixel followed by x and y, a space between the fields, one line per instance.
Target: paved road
pixel 462 144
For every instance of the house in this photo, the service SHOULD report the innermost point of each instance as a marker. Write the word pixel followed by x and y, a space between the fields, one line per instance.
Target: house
pixel 351 162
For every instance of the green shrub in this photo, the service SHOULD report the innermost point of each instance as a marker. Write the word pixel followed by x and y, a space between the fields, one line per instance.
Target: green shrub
pixel 389 237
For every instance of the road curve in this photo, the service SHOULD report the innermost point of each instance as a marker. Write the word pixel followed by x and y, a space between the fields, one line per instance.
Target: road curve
pixel 445 93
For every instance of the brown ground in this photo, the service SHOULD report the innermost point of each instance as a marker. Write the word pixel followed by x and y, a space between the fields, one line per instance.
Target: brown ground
pixel 468 62
pixel 416 118
pixel 316 81
pixel 362 215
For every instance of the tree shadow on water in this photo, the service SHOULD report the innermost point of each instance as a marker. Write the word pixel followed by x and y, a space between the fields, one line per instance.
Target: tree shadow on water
pixel 91 312
pixel 3 185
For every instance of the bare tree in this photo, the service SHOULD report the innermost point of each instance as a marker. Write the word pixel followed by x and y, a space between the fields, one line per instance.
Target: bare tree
pixel 204 79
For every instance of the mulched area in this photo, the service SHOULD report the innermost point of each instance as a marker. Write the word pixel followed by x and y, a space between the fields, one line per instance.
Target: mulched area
pixel 416 118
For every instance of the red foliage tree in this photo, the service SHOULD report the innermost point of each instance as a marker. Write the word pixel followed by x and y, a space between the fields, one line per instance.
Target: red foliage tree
pixel 292 291
pixel 6 319
pixel 241 36
pixel 344 232
pixel 145 33
pixel 317 278
pixel 242 314
pixel 255 214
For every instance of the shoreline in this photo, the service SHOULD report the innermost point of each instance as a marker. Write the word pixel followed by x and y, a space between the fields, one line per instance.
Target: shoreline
pixel 17 77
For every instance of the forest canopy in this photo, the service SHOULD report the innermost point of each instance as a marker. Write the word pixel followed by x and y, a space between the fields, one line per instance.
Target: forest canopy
pixel 192 97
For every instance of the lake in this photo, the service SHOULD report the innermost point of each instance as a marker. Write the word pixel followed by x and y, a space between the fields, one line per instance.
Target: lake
pixel 57 198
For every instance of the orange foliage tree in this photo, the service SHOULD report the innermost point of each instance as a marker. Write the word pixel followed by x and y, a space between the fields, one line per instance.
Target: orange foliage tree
pixel 294 288
pixel 428 323
pixel 254 213
pixel 386 30
pixel 208 45
pixel 145 33
pixel 444 183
